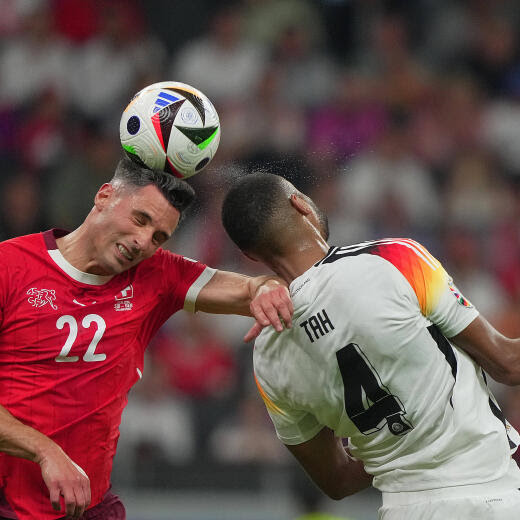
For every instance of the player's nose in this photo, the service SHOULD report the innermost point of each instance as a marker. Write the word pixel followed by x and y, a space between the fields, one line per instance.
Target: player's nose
pixel 142 242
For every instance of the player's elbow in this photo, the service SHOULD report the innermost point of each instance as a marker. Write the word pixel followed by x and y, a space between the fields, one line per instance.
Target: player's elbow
pixel 508 375
pixel 339 490
pixel 507 369
pixel 339 494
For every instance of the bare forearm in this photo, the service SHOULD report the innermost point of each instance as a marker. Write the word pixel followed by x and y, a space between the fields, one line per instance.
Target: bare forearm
pixel 352 479
pixel 21 440
pixel 496 354
pixel 64 479
pixel 327 463
pixel 266 298
pixel 232 293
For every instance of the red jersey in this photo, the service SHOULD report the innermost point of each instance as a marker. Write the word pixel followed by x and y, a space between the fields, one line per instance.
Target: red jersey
pixel 71 347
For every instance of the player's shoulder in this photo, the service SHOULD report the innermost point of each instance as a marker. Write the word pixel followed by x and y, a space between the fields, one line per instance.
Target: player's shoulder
pixel 163 257
pixel 165 267
pixel 406 255
pixel 380 247
pixel 14 245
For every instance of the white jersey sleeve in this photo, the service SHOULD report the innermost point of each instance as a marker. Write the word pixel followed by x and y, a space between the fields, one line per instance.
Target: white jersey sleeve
pixel 293 425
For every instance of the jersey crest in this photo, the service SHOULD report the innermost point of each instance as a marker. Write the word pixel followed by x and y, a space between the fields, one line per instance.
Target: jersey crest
pixel 41 297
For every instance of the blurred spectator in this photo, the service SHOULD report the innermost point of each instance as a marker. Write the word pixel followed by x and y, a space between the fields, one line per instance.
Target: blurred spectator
pixel 77 20
pixel 306 73
pixel 113 65
pixel 476 194
pixel 501 132
pixel 12 11
pixel 70 187
pixel 389 188
pixel 247 435
pixel 494 54
pixel 403 80
pixel 200 368
pixel 448 122
pixel 449 34
pixel 347 123
pixel 465 260
pixel 504 246
pixel 156 428
pixel 35 59
pixel 20 207
pixel 266 20
pixel 278 127
pixel 40 140
pixel 223 63
pixel 196 362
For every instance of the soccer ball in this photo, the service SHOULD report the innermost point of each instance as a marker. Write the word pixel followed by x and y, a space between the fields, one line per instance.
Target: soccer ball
pixel 172 127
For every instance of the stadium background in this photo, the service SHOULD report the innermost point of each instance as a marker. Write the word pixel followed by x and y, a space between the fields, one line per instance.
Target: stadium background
pixel 399 118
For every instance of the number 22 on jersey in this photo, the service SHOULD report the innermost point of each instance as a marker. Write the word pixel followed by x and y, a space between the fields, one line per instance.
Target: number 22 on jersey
pixel 90 354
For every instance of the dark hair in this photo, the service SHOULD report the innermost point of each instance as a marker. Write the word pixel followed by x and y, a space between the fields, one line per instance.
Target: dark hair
pixel 176 191
pixel 249 209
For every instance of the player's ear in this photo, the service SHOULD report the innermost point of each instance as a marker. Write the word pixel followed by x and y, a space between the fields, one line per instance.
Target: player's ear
pixel 300 204
pixel 104 193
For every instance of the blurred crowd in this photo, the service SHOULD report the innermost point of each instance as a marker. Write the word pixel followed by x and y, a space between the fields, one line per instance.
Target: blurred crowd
pixel 399 118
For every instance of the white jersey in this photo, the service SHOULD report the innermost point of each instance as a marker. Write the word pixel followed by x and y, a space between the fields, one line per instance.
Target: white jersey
pixel 368 357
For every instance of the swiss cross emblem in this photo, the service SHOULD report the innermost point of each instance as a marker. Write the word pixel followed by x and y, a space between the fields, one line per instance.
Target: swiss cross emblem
pixel 123 298
pixel 40 297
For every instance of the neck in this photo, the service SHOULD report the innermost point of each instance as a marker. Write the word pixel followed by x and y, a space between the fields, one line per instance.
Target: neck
pixel 295 262
pixel 78 249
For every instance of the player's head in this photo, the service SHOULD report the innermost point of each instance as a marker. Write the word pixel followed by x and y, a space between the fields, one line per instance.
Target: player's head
pixel 266 216
pixel 130 175
pixel 133 215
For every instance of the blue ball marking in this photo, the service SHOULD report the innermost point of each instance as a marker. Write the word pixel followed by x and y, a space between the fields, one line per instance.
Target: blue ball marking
pixel 133 125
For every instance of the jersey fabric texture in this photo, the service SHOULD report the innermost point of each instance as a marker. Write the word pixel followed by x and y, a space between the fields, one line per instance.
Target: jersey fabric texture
pixel 368 357
pixel 495 500
pixel 71 347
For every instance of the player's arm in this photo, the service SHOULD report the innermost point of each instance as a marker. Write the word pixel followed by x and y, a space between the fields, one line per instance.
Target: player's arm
pixel 496 354
pixel 325 460
pixel 61 475
pixel 266 298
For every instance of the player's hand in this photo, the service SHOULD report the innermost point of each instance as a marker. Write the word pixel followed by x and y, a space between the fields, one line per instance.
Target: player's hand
pixel 64 478
pixel 272 305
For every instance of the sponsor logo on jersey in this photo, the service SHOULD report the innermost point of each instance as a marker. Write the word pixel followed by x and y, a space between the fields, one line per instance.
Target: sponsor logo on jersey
pixel 82 304
pixel 41 297
pixel 460 298
pixel 300 287
pixel 123 298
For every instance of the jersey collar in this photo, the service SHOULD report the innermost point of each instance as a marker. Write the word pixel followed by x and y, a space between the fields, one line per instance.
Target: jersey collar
pixel 49 238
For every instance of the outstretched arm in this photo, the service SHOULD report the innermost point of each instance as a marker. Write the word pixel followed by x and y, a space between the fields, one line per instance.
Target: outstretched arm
pixel 266 298
pixel 61 475
pixel 496 354
pixel 325 460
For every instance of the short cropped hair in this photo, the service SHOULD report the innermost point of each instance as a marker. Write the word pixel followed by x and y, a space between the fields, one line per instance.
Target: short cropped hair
pixel 252 209
pixel 176 191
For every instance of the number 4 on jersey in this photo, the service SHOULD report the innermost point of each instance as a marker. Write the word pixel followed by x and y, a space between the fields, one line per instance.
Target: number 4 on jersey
pixel 379 407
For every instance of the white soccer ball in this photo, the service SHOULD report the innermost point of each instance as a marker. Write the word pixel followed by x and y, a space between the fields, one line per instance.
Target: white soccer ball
pixel 172 127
